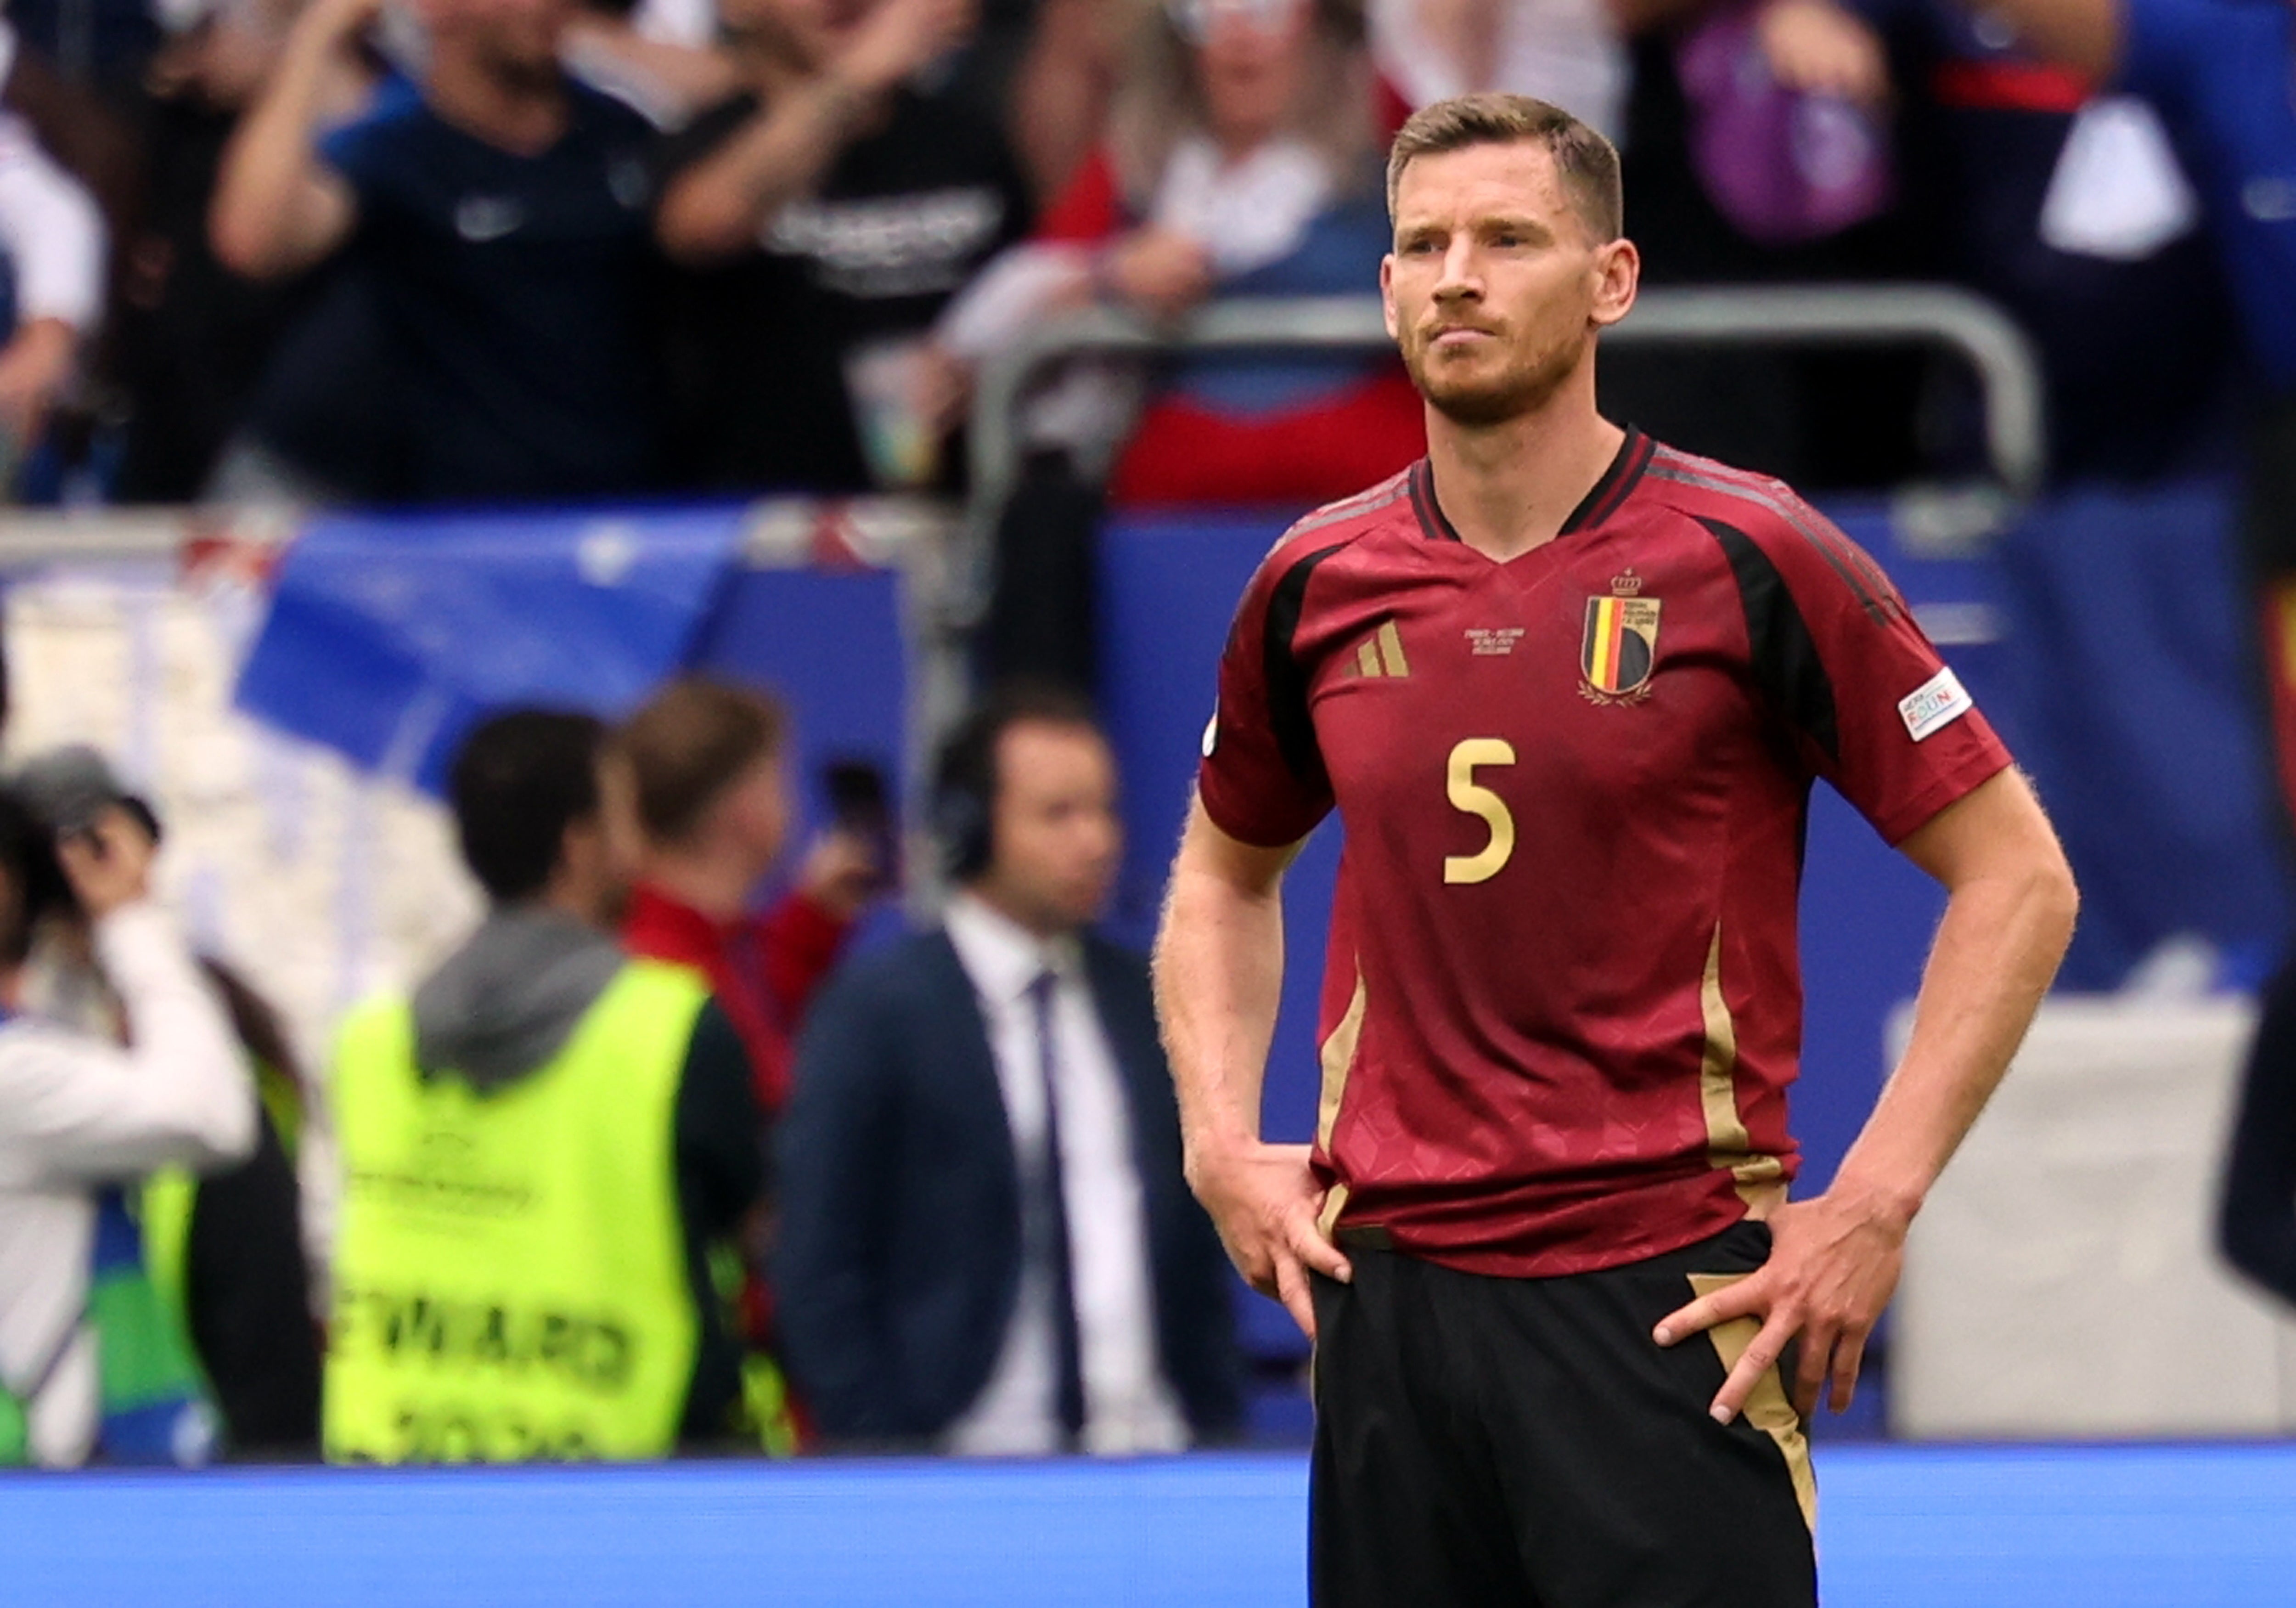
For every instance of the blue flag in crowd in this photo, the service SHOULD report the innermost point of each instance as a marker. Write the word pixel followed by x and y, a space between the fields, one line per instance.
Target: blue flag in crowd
pixel 389 636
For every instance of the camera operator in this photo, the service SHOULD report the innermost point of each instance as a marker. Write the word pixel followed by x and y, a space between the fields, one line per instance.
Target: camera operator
pixel 78 1111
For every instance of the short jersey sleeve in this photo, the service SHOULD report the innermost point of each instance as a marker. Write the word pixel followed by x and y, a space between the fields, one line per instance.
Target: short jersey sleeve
pixel 1262 779
pixel 1878 712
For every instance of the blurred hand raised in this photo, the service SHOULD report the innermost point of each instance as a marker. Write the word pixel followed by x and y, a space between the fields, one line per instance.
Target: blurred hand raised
pixel 901 36
pixel 109 865
pixel 1819 48
pixel 1159 271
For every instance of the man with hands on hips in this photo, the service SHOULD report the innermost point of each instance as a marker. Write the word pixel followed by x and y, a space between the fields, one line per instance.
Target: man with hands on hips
pixel 1568 688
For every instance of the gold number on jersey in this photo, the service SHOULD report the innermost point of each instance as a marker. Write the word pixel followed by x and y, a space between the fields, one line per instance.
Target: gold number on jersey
pixel 1471 798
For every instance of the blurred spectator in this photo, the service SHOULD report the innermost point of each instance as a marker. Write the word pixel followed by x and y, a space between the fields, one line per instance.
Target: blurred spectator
pixel 80 1116
pixel 2222 74
pixel 827 215
pixel 706 766
pixel 539 1149
pixel 191 339
pixel 234 1263
pixel 1759 149
pixel 2065 203
pixel 1240 160
pixel 1062 84
pixel 223 1250
pixel 1565 52
pixel 986 1244
pixel 52 242
pixel 488 339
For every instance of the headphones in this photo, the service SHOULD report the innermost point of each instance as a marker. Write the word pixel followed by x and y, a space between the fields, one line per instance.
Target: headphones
pixel 965 797
pixel 963 810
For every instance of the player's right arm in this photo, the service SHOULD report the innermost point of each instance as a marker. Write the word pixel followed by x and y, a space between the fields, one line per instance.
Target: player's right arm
pixel 1219 976
pixel 1219 953
pixel 278 208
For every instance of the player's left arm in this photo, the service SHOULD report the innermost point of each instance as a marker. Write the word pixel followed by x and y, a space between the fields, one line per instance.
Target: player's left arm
pixel 1834 1259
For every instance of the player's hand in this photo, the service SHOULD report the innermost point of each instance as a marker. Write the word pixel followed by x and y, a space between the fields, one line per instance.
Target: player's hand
pixel 1263 1201
pixel 1833 1263
pixel 1161 272
pixel 109 865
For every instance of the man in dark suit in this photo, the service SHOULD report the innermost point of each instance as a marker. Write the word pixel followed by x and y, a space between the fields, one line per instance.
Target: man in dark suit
pixel 986 1242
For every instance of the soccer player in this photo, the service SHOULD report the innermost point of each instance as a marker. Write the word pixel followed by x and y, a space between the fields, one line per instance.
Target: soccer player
pixel 1567 689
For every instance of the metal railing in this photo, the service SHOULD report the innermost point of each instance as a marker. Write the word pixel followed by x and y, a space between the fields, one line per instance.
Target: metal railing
pixel 1981 332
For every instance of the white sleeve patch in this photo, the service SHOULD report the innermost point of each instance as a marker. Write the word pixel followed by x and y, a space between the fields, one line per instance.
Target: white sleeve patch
pixel 1211 734
pixel 1934 705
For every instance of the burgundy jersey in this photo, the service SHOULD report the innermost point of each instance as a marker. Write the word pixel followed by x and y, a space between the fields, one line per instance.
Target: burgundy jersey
pixel 1562 1002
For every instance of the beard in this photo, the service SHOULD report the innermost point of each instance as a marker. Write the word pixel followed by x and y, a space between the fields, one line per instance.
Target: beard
pixel 1483 393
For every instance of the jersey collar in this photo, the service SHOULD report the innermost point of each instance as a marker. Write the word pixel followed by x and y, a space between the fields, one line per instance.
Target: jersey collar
pixel 1600 503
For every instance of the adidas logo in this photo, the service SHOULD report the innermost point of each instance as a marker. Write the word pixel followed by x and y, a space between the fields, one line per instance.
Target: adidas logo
pixel 1381 653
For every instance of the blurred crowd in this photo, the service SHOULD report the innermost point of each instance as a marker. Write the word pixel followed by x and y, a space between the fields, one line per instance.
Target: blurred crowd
pixel 636 1169
pixel 383 251
pixel 640 1167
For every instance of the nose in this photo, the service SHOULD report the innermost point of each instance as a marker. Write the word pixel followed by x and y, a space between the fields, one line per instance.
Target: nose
pixel 1461 279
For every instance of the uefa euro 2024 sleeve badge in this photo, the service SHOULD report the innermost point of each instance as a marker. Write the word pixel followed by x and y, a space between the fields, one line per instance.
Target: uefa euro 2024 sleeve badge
pixel 1619 648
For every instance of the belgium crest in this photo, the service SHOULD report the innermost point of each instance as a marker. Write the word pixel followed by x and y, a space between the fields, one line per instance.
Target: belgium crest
pixel 1620 647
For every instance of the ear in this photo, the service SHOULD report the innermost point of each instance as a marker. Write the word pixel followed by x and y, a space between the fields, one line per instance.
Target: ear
pixel 1387 296
pixel 1618 275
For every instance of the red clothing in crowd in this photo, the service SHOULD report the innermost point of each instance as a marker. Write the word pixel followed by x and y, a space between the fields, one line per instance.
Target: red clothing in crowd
pixel 762 968
pixel 1184 451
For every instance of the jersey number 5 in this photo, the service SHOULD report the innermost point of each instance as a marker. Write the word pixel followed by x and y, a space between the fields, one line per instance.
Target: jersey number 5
pixel 1470 797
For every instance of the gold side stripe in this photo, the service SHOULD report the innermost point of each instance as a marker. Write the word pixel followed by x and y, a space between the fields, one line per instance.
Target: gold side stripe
pixel 1390 649
pixel 1335 1202
pixel 1338 1058
pixel 1718 1091
pixel 1727 1143
pixel 1767 1408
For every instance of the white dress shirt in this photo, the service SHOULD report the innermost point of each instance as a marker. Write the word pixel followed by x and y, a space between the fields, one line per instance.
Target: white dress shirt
pixel 76 1112
pixel 1130 1406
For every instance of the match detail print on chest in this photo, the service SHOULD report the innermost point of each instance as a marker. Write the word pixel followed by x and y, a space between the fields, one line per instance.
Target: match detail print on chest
pixel 1616 626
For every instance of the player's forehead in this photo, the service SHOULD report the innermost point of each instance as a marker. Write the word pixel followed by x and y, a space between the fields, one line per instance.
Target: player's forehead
pixel 1476 183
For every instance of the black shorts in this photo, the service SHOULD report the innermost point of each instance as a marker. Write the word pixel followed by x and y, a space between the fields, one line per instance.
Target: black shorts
pixel 1525 1442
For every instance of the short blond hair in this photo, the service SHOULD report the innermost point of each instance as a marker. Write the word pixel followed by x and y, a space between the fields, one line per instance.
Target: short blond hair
pixel 1588 163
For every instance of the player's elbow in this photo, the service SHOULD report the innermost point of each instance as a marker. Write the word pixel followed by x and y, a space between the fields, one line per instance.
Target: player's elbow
pixel 2055 897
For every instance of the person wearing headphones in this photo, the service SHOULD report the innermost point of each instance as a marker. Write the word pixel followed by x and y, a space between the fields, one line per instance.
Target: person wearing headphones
pixel 987 1245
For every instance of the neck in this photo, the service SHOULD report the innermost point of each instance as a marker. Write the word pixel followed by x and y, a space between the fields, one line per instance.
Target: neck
pixel 1507 487
pixel 710 884
pixel 558 900
pixel 514 115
